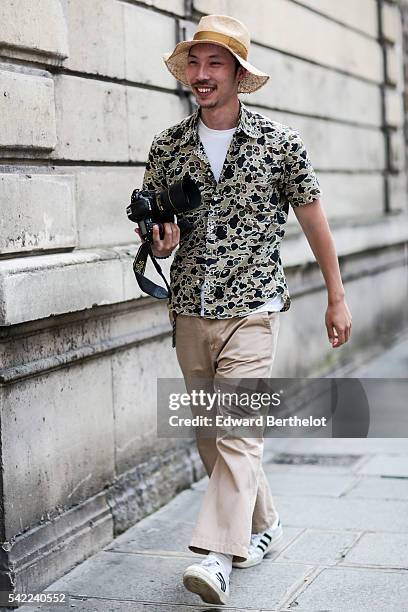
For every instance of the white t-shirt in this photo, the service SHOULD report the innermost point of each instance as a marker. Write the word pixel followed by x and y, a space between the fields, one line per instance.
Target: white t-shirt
pixel 216 144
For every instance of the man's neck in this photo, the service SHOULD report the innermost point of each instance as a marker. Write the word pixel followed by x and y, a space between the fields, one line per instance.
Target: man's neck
pixel 223 118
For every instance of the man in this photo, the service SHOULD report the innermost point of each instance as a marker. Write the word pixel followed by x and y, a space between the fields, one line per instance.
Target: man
pixel 228 284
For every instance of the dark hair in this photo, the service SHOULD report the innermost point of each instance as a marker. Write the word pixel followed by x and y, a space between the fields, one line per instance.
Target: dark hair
pixel 237 65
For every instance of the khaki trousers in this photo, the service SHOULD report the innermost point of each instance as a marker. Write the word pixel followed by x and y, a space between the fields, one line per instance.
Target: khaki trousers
pixel 238 499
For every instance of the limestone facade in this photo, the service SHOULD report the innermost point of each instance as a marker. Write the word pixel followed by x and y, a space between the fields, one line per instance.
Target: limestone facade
pixel 83 90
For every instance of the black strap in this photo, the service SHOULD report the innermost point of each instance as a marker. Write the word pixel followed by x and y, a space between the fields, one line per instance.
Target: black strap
pixel 146 285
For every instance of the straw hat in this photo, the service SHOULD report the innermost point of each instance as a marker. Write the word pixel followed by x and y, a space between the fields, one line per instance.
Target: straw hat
pixel 226 32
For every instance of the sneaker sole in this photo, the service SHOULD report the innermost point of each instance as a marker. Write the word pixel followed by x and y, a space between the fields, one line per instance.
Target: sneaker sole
pixel 251 563
pixel 195 582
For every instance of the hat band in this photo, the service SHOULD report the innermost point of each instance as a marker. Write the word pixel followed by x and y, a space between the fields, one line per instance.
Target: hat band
pixel 230 42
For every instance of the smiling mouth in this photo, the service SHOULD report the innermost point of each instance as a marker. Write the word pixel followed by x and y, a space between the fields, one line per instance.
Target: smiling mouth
pixel 204 91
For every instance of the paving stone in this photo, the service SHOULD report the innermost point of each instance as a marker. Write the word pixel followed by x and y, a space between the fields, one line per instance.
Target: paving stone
pixel 310 484
pixel 163 536
pixel 343 513
pixel 183 508
pixel 356 590
pixel 110 605
pixel 393 364
pixel 310 469
pixel 383 488
pixel 156 579
pixel 319 547
pixel 386 466
pixel 305 484
pixel 331 446
pixel 380 549
pixel 156 535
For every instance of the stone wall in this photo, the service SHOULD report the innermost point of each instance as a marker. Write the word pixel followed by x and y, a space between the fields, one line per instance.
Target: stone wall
pixel 403 4
pixel 83 91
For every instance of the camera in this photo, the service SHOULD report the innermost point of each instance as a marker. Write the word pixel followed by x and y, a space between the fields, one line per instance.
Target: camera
pixel 148 208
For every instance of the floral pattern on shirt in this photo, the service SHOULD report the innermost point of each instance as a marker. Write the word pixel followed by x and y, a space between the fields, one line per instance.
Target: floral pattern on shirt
pixel 234 248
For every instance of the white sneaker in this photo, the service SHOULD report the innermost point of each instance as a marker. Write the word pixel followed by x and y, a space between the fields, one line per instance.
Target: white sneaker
pixel 208 579
pixel 261 543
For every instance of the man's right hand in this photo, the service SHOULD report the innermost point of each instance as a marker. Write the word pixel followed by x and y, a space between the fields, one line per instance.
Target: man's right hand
pixel 164 247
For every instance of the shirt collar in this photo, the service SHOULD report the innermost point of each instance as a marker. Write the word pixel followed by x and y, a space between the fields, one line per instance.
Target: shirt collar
pixel 247 123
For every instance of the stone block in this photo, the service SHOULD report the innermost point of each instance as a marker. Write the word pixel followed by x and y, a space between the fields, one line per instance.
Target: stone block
pixel 310 89
pixel 397 150
pixel 33 28
pixel 331 43
pixel 144 63
pixel 394 65
pixel 174 6
pixel 398 191
pixel 96 37
pixel 91 119
pixel 27 119
pixel 57 284
pixel 360 15
pixel 150 112
pixel 57 442
pixel 102 195
pixel 351 195
pixel 335 145
pixel 37 212
pixel 135 393
pixel 394 108
pixel 391 23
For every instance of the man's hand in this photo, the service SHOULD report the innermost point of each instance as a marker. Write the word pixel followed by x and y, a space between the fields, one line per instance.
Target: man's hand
pixel 164 248
pixel 338 323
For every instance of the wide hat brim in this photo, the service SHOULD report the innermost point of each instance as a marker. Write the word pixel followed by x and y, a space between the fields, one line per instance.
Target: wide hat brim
pixel 176 62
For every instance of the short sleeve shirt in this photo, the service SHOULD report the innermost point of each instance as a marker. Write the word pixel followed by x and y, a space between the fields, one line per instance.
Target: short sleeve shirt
pixel 234 248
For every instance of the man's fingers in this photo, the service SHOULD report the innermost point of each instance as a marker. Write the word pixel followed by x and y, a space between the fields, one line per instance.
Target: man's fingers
pixel 176 233
pixel 168 236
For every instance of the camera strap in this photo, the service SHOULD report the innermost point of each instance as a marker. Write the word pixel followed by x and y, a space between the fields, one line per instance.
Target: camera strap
pixel 139 266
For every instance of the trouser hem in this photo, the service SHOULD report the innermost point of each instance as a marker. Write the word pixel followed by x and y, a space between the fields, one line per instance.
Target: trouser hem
pixel 203 547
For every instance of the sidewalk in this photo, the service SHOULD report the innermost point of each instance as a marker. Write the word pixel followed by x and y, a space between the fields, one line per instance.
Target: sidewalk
pixel 344 508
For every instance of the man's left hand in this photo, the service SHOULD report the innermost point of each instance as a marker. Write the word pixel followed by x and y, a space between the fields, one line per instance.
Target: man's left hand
pixel 338 323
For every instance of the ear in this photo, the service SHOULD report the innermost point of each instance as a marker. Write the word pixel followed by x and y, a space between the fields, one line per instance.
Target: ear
pixel 242 72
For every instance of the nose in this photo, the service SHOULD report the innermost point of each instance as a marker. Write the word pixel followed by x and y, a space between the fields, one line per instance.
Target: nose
pixel 202 73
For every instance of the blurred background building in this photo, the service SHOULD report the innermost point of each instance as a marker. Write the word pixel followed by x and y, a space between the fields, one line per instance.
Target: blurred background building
pixel 83 89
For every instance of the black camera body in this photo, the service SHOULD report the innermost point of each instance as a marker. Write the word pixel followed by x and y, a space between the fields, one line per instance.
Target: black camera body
pixel 148 208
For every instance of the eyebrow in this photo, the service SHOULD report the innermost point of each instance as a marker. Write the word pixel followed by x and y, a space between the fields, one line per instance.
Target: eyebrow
pixel 210 56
